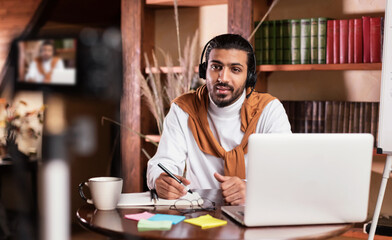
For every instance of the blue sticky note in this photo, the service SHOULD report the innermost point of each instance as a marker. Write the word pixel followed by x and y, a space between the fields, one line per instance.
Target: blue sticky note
pixel 167 217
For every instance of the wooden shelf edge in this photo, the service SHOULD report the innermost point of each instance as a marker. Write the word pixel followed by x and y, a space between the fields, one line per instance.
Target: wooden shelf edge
pixel 322 67
pixel 185 3
pixel 291 67
pixel 175 69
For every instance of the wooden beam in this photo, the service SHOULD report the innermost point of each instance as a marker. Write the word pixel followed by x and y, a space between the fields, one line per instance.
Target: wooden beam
pixel 131 31
pixel 240 16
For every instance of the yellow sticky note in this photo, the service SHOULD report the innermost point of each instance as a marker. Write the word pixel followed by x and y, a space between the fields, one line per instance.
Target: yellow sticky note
pixel 206 221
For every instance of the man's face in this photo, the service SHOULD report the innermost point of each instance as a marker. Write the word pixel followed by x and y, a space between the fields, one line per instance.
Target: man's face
pixel 226 75
pixel 46 52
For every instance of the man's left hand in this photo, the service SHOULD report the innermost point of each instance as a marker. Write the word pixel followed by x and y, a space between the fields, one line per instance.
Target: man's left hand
pixel 233 189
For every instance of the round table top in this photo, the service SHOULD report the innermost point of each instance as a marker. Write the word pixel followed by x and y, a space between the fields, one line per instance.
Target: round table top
pixel 113 224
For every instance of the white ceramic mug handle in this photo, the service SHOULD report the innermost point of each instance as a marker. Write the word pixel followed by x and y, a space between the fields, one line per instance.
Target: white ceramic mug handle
pixel 81 193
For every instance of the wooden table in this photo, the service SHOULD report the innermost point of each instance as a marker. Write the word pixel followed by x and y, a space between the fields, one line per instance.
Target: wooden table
pixel 114 225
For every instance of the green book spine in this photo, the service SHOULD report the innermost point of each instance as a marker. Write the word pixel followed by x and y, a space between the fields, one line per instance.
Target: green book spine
pixel 322 40
pixel 265 44
pixel 305 41
pixel 286 31
pixel 279 42
pixel 272 42
pixel 295 41
pixel 258 46
pixel 314 40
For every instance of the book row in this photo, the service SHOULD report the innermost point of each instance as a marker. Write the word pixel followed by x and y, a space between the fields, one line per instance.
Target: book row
pixel 319 41
pixel 332 116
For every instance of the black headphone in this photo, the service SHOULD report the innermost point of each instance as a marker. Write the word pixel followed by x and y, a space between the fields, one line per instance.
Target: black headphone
pixel 251 75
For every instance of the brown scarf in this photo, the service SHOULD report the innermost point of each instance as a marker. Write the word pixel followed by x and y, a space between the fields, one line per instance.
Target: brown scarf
pixel 196 105
pixel 47 75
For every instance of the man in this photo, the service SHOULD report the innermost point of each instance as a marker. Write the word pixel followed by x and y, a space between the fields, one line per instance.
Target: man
pixel 41 68
pixel 206 132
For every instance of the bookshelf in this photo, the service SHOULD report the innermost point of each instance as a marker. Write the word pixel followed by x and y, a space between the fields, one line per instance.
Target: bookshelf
pixel 319 67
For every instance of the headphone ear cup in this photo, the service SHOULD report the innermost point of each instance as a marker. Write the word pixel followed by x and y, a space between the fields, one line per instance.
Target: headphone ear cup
pixel 251 81
pixel 203 70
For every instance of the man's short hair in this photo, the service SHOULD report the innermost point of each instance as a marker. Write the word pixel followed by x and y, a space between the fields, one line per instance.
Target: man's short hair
pixel 48 43
pixel 235 41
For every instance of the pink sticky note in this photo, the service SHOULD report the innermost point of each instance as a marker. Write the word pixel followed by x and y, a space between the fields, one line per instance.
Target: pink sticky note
pixel 138 216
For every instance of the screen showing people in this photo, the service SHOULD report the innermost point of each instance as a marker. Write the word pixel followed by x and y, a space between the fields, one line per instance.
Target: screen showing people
pixel 48 61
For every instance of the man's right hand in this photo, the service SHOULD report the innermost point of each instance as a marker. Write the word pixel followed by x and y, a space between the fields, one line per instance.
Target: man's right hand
pixel 169 188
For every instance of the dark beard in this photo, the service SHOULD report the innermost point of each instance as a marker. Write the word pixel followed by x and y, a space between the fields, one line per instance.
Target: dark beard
pixel 225 103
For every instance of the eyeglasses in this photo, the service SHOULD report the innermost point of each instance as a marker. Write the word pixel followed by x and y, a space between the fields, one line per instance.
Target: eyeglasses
pixel 186 206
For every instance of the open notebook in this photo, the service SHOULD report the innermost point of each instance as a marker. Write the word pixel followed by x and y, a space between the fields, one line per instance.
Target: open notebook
pixel 144 199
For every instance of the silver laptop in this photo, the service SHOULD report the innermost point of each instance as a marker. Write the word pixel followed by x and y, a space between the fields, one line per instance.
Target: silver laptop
pixel 296 179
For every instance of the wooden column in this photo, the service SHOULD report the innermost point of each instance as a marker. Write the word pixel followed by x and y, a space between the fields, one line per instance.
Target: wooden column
pixel 240 15
pixel 131 31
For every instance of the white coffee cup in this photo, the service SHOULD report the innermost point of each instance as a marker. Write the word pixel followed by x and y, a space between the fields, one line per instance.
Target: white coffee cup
pixel 105 192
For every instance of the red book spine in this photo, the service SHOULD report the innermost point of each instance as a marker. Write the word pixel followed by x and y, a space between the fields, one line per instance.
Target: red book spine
pixel 366 38
pixel 375 39
pixel 329 59
pixel 336 40
pixel 350 57
pixel 358 46
pixel 343 43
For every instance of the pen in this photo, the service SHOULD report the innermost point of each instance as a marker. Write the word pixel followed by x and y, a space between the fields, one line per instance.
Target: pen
pixel 175 178
pixel 154 195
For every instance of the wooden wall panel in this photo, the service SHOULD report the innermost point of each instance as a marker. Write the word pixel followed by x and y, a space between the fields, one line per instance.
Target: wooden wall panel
pixel 240 17
pixel 14 17
pixel 131 30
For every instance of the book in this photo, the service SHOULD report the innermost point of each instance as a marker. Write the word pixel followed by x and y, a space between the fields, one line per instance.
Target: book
pixel 293 115
pixel 361 117
pixel 272 42
pixel 343 41
pixel 340 120
pixel 366 38
pixel 336 41
pixel 351 118
pixel 374 121
pixel 328 117
pixel 335 117
pixel 322 39
pixel 329 48
pixel 358 43
pixel 265 42
pixel 144 199
pixel 279 42
pixel 321 116
pixel 346 115
pixel 375 39
pixel 300 119
pixel 295 41
pixel 314 117
pixel 308 116
pixel 367 117
pixel 350 46
pixel 286 33
pixel 356 117
pixel 305 41
pixel 258 46
pixel 314 40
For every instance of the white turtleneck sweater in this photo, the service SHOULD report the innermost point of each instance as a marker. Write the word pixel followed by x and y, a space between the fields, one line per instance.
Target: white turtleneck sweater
pixel 177 145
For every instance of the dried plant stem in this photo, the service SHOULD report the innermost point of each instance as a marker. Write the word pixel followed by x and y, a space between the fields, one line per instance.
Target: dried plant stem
pixel 177 28
pixel 130 129
pixel 262 19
